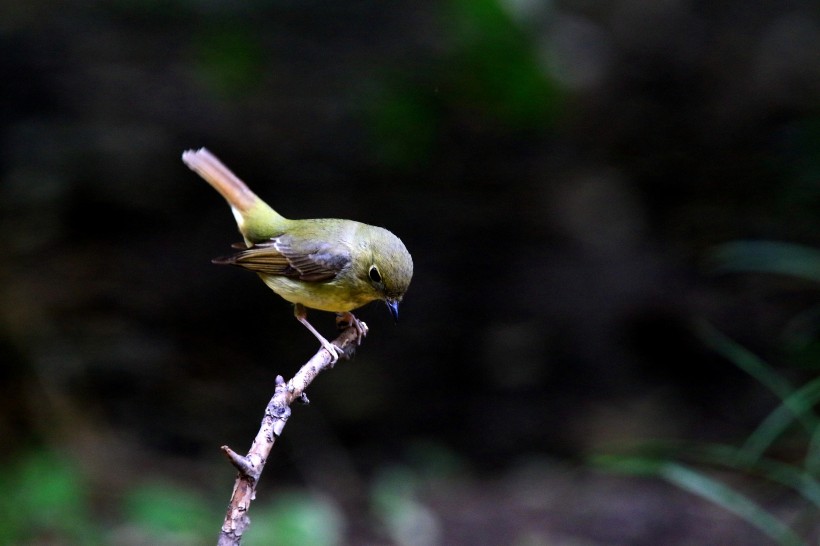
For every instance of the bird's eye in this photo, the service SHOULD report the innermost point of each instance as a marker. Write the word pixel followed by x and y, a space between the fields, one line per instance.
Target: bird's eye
pixel 374 274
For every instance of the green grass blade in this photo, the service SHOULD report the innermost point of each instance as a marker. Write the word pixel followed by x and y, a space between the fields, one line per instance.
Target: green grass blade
pixel 744 359
pixel 798 405
pixel 766 433
pixel 813 454
pixel 704 487
pixel 729 499
pixel 754 366
pixel 793 477
pixel 767 257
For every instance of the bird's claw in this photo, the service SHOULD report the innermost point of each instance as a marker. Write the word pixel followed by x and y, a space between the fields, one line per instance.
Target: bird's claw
pixel 347 320
pixel 361 331
pixel 335 352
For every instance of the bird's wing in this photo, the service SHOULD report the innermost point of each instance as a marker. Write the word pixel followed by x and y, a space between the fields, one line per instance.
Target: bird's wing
pixel 286 256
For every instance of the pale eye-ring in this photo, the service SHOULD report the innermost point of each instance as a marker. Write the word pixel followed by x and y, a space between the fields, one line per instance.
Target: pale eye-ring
pixel 374 274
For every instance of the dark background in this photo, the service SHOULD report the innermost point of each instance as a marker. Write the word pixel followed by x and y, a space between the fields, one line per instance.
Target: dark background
pixel 560 172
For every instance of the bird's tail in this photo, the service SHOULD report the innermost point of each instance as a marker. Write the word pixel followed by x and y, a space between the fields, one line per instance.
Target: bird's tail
pixel 209 167
pixel 256 220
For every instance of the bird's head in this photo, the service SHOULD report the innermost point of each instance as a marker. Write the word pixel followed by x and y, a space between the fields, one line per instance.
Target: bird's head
pixel 389 269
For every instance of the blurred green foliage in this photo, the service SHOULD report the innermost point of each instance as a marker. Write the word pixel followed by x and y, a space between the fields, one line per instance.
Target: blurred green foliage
pixel 701 484
pixel 488 73
pixel 45 498
pixel 767 257
pixel 801 336
pixel 46 501
pixel 229 59
pixel 495 68
pixel 404 126
pixel 396 504
pixel 296 517
pixel 793 424
pixel 168 514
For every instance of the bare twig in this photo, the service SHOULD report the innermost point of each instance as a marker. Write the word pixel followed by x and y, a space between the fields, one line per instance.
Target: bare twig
pixel 276 416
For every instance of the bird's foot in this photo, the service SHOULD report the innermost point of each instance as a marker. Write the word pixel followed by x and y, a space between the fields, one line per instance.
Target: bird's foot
pixel 301 315
pixel 334 351
pixel 346 320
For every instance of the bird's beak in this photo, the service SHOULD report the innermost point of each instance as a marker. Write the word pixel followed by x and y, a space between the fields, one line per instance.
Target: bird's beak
pixel 393 305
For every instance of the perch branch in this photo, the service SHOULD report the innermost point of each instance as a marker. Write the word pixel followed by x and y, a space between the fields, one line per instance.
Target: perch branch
pixel 276 416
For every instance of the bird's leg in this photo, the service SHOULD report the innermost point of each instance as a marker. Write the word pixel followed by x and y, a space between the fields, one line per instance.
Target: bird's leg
pixel 346 320
pixel 300 313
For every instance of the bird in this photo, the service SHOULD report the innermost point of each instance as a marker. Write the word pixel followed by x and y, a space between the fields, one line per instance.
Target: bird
pixel 327 264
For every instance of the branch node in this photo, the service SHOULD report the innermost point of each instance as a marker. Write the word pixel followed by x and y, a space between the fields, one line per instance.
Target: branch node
pixel 349 352
pixel 242 464
pixel 279 412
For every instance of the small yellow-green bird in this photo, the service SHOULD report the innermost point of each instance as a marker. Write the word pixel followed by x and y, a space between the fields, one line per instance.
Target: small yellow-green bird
pixel 324 263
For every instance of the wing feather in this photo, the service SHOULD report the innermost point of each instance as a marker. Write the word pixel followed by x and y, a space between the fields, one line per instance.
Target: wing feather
pixel 285 256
